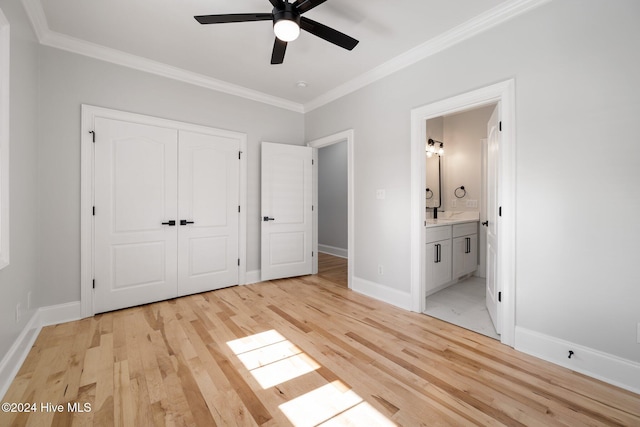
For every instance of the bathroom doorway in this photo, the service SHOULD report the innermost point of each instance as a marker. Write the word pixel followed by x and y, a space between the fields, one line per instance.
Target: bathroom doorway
pixel 503 206
pixel 456 173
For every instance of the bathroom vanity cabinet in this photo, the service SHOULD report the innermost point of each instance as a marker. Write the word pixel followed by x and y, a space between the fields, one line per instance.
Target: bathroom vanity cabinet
pixel 452 252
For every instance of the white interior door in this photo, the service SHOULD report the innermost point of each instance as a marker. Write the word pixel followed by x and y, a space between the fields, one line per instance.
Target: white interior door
pixel 286 211
pixel 135 199
pixel 491 221
pixel 208 212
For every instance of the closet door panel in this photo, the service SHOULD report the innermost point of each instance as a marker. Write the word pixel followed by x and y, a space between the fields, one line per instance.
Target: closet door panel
pixel 135 193
pixel 208 210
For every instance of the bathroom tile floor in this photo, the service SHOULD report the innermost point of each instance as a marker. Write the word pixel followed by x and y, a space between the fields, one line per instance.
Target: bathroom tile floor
pixel 463 304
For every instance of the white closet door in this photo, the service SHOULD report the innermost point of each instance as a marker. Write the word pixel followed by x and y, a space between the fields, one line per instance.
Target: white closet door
pixel 208 212
pixel 286 211
pixel 135 193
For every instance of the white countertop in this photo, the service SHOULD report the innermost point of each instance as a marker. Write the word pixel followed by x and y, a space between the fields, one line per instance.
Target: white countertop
pixel 453 217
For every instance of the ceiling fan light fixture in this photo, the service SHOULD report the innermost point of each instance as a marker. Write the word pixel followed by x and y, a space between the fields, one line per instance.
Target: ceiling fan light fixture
pixel 286 30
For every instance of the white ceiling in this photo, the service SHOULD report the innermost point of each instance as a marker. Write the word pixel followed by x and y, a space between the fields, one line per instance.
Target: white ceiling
pixel 162 36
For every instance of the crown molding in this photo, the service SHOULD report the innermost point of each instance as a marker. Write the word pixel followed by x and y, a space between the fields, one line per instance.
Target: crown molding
pixel 71 44
pixel 483 22
pixel 464 31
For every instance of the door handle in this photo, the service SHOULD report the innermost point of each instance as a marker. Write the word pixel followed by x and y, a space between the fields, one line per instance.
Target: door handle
pixel 170 223
pixel 185 222
pixel 486 223
pixel 266 218
pixel 468 242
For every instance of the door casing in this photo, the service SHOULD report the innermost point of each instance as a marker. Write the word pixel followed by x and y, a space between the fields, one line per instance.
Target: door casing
pixel 503 93
pixel 349 137
pixel 89 113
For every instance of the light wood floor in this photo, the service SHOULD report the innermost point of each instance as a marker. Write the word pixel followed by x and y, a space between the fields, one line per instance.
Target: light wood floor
pixel 301 351
pixel 333 268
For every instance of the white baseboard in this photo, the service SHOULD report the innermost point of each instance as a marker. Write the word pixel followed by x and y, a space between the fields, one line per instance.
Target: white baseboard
pixel 61 313
pixel 594 363
pixel 12 361
pixel 44 316
pixel 382 293
pixel 332 250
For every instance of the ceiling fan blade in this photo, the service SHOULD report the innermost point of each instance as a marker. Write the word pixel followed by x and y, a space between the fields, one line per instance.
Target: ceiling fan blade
pixel 277 3
pixel 328 33
pixel 279 48
pixel 306 5
pixel 233 17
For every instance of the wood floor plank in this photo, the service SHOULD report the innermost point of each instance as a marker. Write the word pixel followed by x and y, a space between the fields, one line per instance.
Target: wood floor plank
pixel 252 355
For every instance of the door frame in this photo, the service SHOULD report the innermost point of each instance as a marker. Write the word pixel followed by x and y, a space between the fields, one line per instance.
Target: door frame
pixel 349 137
pixel 89 114
pixel 502 93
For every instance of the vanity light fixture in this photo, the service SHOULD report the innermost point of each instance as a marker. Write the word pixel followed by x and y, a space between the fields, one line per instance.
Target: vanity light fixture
pixel 434 147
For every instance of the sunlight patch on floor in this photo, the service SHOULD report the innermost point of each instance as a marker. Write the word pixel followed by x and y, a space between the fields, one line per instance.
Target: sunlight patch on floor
pixel 333 404
pixel 273 360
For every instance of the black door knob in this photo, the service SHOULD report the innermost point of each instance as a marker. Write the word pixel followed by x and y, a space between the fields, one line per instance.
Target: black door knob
pixel 486 223
pixel 266 218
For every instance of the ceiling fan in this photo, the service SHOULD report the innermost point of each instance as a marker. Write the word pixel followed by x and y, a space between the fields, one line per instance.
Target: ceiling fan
pixel 287 23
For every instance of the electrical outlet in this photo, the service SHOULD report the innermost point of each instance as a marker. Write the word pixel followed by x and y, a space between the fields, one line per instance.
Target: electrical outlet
pixel 29 300
pixel 472 203
pixel 380 194
pixel 380 270
pixel 18 307
pixel 454 203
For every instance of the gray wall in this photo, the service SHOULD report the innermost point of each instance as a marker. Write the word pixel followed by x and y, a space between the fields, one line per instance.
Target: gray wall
pixel 576 67
pixel 68 80
pixel 332 195
pixel 19 278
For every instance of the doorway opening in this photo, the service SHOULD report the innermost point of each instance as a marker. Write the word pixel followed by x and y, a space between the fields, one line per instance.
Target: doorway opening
pixel 456 183
pixel 503 95
pixel 333 206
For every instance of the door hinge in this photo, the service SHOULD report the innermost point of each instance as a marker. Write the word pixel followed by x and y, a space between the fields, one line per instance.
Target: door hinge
pixel 312 208
pixel 238 208
pixel 94 283
pixel 500 211
pixel 239 154
pixel 500 126
pixel 238 262
pixel 94 211
pixel 499 296
pixel 93 136
pixel 312 254
pixel 312 163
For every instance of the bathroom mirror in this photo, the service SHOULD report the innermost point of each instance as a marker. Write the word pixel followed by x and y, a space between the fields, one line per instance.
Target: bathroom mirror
pixel 433 191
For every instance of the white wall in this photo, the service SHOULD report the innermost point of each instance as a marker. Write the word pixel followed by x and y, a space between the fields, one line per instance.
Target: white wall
pixel 19 278
pixel 462 162
pixel 578 163
pixel 332 196
pixel 68 80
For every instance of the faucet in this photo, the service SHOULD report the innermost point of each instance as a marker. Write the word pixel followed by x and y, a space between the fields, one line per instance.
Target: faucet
pixel 435 213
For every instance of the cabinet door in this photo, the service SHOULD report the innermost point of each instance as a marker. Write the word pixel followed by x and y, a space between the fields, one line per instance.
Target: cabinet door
pixel 465 255
pixel 438 264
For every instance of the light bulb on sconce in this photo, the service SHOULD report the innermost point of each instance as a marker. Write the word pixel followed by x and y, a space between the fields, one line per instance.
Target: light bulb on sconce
pixel 431 148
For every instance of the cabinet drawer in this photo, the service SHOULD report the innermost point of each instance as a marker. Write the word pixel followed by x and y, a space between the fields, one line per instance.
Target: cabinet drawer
pixel 465 229
pixel 438 233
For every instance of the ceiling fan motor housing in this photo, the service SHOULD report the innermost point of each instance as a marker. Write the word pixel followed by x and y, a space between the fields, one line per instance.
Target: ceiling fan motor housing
pixel 288 12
